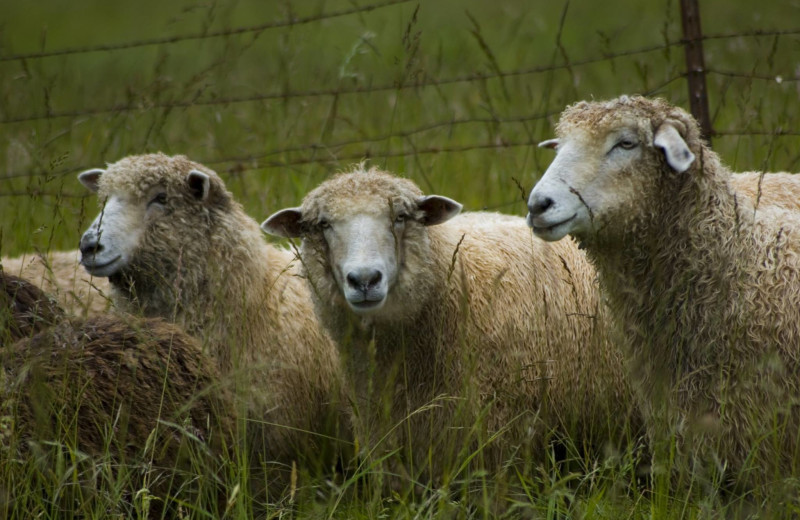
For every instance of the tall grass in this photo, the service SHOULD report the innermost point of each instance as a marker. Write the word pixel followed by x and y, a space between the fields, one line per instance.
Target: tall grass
pixel 466 90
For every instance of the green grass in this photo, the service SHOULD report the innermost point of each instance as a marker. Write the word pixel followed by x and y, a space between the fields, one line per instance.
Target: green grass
pixel 468 140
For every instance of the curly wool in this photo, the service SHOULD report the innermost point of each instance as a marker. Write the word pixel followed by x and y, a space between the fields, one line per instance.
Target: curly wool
pixel 109 370
pixel 483 318
pixel 24 309
pixel 768 189
pixel 706 292
pixel 139 391
pixel 207 268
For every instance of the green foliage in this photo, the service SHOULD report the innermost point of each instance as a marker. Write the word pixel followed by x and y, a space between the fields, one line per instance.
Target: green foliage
pixel 451 93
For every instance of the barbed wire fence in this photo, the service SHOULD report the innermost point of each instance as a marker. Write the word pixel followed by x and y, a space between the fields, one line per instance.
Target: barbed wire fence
pixel 695 72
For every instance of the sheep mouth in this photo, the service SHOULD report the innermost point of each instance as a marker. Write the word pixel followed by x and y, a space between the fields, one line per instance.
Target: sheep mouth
pixel 548 230
pixel 104 269
pixel 366 305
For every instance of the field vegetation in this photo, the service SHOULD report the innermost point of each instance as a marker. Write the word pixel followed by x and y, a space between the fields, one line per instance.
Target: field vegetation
pixel 276 96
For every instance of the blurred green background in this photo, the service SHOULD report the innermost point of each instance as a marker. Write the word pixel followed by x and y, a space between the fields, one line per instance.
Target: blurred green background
pixel 451 93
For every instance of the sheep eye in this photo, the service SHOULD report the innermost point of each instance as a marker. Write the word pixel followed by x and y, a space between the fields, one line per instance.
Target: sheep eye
pixel 324 224
pixel 161 199
pixel 401 218
pixel 627 144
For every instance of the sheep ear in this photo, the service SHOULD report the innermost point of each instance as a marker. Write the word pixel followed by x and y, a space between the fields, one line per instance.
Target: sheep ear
pixel 550 143
pixel 90 178
pixel 675 148
pixel 437 209
pixel 286 223
pixel 199 184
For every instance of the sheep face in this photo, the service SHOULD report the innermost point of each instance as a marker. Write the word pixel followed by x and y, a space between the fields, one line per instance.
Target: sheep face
pixel 365 250
pixel 111 240
pixel 365 231
pixel 143 199
pixel 612 159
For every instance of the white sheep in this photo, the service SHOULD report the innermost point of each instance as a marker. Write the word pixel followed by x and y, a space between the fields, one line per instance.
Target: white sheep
pixel 704 288
pixel 436 327
pixel 60 274
pixel 175 244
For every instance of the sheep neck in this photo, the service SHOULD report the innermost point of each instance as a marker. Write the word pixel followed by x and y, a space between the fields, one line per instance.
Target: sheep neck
pixel 404 355
pixel 671 278
pixel 203 289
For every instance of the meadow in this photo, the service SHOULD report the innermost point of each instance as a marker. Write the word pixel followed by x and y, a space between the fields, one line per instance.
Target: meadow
pixel 277 96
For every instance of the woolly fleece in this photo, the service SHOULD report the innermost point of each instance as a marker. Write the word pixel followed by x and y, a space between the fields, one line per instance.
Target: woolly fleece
pixel 104 385
pixel 483 318
pixel 706 292
pixel 205 266
pixel 24 309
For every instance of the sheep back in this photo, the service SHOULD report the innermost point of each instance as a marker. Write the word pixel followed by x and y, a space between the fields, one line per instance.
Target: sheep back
pixel 60 274
pixel 24 309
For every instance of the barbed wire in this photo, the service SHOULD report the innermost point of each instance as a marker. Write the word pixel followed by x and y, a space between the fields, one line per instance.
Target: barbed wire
pixel 417 130
pixel 477 76
pixel 198 36
pixel 256 160
pixel 366 153
pixel 755 33
pixel 369 154
pixel 45 193
pixel 465 78
pixel 405 134
pixel 777 78
pixel 167 40
pixel 321 146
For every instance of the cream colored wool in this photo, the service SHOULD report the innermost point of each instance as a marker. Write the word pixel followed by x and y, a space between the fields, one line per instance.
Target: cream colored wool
pixel 776 189
pixel 205 266
pixel 705 290
pixel 60 274
pixel 483 318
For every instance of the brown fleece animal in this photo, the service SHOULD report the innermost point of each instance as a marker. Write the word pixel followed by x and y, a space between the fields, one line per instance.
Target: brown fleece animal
pixel 60 274
pixel 24 309
pixel 704 288
pixel 183 249
pixel 139 390
pixel 485 330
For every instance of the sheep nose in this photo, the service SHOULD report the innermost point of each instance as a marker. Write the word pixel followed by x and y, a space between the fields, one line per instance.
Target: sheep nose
pixel 364 279
pixel 538 204
pixel 90 245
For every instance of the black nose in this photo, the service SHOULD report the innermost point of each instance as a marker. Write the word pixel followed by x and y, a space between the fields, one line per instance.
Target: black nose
pixel 90 245
pixel 364 279
pixel 539 205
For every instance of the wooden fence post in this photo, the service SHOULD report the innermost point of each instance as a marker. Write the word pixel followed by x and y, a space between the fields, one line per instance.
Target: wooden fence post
pixel 695 66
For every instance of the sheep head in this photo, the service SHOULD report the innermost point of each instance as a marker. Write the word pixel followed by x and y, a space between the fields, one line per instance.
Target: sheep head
pixel 143 198
pixel 613 160
pixel 365 230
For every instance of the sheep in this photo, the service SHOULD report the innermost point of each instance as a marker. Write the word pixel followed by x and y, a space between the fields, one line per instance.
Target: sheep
pixel 60 273
pixel 773 189
pixel 139 391
pixel 175 244
pixel 24 309
pixel 430 314
pixel 703 287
